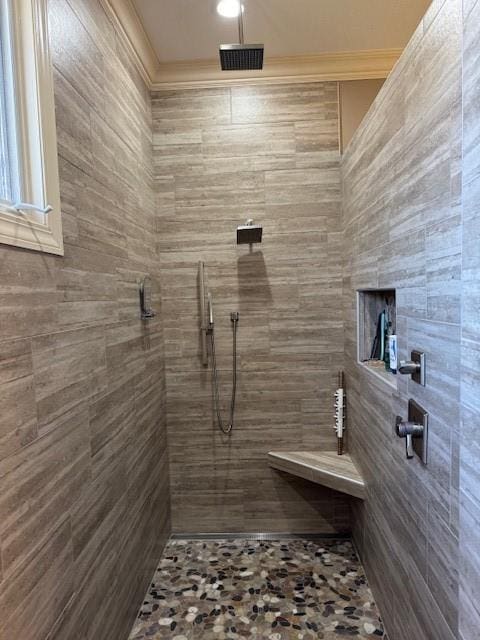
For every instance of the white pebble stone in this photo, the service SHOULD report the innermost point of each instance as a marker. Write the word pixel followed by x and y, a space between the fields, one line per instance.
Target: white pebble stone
pixel 275 636
pixel 192 609
pixel 266 598
pixel 264 574
pixel 190 617
pixel 217 629
pixel 179 638
pixel 164 622
pixel 245 620
pixel 369 628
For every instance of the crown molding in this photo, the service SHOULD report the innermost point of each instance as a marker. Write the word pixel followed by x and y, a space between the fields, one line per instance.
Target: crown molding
pixel 350 65
pixel 198 74
pixel 129 24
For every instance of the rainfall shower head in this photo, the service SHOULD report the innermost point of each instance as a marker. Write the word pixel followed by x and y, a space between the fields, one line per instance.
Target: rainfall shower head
pixel 249 233
pixel 241 56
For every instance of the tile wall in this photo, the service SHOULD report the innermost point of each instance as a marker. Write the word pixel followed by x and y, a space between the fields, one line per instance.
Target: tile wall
pixel 403 229
pixel 87 387
pixel 84 500
pixel 221 156
pixel 470 372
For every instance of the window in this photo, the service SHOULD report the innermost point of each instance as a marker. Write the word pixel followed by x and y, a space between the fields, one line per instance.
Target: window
pixel 29 184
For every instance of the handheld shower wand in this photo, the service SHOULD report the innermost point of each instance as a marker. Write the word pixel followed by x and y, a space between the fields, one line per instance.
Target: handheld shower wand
pixel 234 317
pixel 209 330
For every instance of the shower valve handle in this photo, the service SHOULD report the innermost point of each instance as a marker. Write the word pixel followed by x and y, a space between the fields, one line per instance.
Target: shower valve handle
pixel 414 367
pixel 407 367
pixel 408 430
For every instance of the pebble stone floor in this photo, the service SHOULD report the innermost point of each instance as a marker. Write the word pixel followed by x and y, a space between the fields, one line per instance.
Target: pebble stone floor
pixel 277 590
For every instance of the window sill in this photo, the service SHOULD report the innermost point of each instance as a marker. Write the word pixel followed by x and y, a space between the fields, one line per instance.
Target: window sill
pixel 26 231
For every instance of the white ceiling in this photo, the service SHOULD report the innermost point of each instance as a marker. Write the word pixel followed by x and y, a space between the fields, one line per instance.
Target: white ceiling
pixel 192 29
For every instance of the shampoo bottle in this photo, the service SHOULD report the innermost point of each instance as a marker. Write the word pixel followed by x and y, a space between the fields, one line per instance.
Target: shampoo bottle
pixel 392 352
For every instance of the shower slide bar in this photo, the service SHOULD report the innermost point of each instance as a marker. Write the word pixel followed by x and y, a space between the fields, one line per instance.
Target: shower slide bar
pixel 203 326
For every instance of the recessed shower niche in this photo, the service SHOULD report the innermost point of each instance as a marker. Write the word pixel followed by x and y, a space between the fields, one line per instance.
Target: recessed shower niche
pixel 377 343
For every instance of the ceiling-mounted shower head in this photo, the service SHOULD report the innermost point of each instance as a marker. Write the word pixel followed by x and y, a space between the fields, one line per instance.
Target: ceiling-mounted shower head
pixel 241 56
pixel 249 233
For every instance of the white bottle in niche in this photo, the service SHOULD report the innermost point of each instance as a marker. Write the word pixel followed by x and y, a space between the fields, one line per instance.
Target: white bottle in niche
pixel 392 352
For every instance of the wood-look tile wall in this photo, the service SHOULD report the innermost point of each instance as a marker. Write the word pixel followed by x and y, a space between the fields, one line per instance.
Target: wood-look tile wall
pixel 222 156
pixel 470 373
pixel 83 462
pixel 403 230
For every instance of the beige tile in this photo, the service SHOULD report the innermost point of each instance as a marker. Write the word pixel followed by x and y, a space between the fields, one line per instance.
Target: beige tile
pixel 84 500
pixel 284 103
pixel 277 163
pixel 402 230
pixel 18 421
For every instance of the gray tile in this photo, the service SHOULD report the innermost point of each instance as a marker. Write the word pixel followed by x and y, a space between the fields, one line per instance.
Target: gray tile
pixel 84 500
pixel 401 197
pixel 276 161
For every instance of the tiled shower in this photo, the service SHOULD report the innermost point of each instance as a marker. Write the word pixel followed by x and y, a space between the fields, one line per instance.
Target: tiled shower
pixel 118 493
pixel 219 161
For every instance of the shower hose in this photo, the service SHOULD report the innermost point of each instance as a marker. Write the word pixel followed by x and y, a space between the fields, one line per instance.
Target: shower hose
pixel 225 428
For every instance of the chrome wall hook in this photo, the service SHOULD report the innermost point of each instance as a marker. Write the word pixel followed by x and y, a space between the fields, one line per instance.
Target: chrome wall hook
pixel 145 291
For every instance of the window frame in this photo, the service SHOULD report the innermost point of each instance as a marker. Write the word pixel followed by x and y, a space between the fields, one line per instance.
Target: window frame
pixel 36 135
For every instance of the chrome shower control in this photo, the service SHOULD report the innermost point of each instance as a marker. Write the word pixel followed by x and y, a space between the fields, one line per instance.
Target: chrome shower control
pixel 414 367
pixel 414 430
pixel 408 367
pixel 408 430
